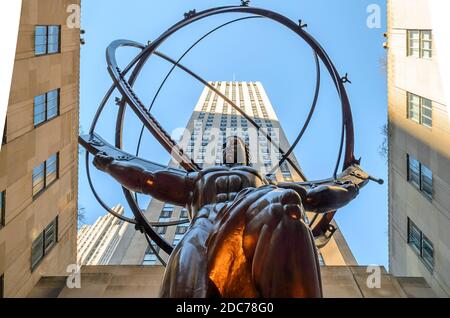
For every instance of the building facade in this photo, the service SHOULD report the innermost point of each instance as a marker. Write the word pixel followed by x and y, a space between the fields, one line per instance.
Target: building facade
pixel 97 242
pixel 212 121
pixel 419 144
pixel 39 156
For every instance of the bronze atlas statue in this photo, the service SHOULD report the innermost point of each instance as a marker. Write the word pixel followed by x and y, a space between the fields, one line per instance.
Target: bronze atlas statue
pixel 248 235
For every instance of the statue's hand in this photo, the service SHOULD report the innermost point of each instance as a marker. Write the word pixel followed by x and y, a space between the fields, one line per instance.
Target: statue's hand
pixel 102 161
pixel 352 188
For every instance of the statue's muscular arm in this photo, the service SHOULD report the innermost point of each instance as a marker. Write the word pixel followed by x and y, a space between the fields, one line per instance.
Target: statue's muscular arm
pixel 164 185
pixel 324 198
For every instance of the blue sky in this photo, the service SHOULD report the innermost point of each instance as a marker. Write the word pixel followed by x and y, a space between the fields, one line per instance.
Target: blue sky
pixel 252 50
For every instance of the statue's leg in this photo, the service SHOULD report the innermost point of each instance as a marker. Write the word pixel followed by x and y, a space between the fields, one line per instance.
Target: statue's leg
pixel 185 275
pixel 281 247
pixel 262 248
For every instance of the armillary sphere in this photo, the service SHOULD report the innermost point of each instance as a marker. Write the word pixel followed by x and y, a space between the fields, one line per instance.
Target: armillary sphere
pixel 124 79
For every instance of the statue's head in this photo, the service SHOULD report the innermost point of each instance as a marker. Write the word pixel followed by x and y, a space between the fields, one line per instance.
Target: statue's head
pixel 235 152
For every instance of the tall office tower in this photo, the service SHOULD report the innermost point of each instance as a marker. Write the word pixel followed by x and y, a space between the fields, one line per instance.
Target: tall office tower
pixel 212 121
pixel 97 242
pixel 419 143
pixel 39 157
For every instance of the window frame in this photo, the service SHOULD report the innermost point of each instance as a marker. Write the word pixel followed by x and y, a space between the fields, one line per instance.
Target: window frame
pixel 419 250
pixel 420 185
pixel 184 214
pixel 44 250
pixel 178 230
pixel 162 230
pixel 46 184
pixel 45 111
pixel 421 42
pixel 46 39
pixel 420 111
pixel 149 253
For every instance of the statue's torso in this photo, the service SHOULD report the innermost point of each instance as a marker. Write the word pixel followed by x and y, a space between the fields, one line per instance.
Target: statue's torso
pixel 219 185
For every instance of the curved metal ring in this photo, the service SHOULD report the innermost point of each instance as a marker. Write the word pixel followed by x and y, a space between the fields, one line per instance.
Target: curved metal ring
pixel 138 147
pixel 347 119
pixel 149 50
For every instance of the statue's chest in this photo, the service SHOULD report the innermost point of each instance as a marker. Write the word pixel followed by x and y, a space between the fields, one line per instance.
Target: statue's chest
pixel 218 187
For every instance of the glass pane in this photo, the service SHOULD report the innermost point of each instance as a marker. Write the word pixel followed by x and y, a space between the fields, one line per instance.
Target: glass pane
pixel 414 107
pixel 414 237
pixel 427 112
pixel 426 45
pixel 52 104
pixel 427 54
pixel 162 230
pixel 52 169
pixel 53 39
pixel 414 171
pixel 181 229
pixel 38 178
pixel 40 40
pixel 53 30
pixel 39 109
pixel 427 181
pixel 427 252
pixel 426 35
pixel 37 250
pixel 184 214
pixel 49 237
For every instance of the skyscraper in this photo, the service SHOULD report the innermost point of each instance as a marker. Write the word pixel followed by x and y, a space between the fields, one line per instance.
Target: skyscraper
pixel 212 121
pixel 39 157
pixel 419 143
pixel 97 242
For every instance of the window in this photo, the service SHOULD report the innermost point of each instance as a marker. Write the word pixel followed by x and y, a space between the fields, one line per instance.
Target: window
pixel 176 240
pixel 420 110
pixel 45 174
pixel 46 107
pixel 427 252
pixel 162 230
pixel 167 211
pixel 181 229
pixel 150 257
pixel 420 43
pixel 46 39
pixel 43 244
pixel 2 209
pixel 414 43
pixel 184 214
pixel 420 176
pixel 414 171
pixel 414 236
pixel 421 245
pixel 426 180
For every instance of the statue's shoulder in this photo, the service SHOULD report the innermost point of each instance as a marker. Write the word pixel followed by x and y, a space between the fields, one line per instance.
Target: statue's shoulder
pixel 209 171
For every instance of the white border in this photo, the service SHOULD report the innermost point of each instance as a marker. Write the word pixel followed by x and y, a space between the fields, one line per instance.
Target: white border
pixel 9 24
pixel 441 26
